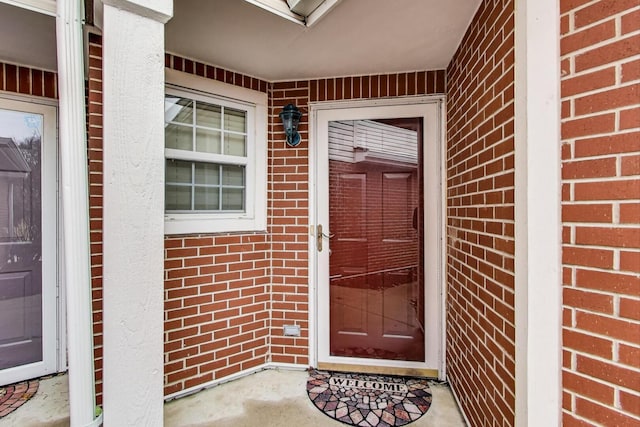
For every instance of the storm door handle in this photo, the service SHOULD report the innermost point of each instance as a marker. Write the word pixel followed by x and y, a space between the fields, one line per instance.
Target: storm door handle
pixel 320 235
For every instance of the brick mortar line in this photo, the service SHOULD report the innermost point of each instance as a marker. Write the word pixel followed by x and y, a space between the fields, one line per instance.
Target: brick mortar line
pixel 488 162
pixel 573 73
pixel 499 285
pixel 603 180
pixel 613 155
pixel 613 408
pixel 601 336
pixel 615 111
pixel 616 388
pixel 622 85
pixel 600 292
pixel 455 118
pixel 571 14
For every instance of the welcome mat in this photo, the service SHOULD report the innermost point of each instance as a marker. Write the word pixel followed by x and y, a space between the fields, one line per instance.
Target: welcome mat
pixel 369 400
pixel 15 395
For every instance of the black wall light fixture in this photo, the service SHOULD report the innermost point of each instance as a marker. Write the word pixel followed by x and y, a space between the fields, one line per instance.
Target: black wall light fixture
pixel 290 117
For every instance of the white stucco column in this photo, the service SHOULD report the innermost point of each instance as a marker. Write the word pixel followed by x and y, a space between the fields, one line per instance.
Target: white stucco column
pixel 133 90
pixel 538 298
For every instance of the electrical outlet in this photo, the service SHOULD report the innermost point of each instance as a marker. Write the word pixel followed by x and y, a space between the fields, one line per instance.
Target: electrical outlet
pixel 291 330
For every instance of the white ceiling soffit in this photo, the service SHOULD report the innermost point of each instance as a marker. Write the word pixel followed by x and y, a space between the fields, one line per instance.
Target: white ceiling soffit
pixel 28 37
pixel 358 37
pixel 47 7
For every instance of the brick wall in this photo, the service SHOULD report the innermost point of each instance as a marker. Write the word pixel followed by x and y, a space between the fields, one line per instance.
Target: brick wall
pixel 227 296
pixel 288 213
pixel 217 287
pixel 28 81
pixel 289 193
pixel 480 217
pixel 216 307
pixel 94 156
pixel 600 65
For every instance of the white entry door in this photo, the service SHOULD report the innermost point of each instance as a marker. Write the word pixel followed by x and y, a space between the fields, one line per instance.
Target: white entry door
pixel 377 237
pixel 28 305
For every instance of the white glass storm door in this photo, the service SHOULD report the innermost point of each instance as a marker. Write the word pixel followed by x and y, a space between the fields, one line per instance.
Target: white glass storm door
pixel 28 273
pixel 378 201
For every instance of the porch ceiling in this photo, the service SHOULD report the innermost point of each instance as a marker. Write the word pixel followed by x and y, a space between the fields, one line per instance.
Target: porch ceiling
pixel 357 37
pixel 27 38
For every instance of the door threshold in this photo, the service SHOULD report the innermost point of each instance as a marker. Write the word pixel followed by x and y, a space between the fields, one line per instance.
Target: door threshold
pixel 381 370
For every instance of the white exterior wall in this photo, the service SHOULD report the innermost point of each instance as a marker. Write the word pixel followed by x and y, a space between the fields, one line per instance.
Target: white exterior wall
pixel 538 284
pixel 133 37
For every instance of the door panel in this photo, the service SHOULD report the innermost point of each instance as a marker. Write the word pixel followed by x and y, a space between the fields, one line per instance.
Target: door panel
pixel 27 303
pixel 374 248
pixel 371 281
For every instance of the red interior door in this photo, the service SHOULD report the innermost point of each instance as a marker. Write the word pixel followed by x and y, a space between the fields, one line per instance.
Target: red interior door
pixel 375 215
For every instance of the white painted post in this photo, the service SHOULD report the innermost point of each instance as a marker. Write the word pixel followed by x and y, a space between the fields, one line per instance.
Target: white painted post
pixel 75 200
pixel 538 298
pixel 133 88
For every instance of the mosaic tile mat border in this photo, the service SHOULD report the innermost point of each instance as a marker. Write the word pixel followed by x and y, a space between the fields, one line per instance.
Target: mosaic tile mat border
pixel 369 400
pixel 13 396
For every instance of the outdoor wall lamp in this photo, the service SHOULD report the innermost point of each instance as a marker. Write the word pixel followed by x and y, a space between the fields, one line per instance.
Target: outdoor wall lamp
pixel 290 117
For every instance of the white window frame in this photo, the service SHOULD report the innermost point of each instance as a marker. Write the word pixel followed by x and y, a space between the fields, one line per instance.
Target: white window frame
pixel 254 218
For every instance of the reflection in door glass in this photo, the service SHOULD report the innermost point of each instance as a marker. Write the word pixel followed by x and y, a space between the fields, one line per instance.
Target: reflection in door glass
pixel 375 216
pixel 20 239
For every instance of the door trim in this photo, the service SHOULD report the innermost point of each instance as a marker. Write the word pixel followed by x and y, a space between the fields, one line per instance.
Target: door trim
pixel 314 169
pixel 52 314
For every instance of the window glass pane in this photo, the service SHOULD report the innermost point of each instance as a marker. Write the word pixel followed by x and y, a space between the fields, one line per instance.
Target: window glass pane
pixel 207 174
pixel 177 197
pixel 235 120
pixel 233 175
pixel 208 115
pixel 178 171
pixel 178 109
pixel 208 141
pixel 178 137
pixel 206 198
pixel 234 144
pixel 232 199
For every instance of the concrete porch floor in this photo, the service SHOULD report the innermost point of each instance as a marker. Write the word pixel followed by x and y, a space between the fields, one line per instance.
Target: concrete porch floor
pixel 270 398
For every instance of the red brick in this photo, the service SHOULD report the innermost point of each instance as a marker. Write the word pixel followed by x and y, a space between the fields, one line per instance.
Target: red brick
pixel 577 298
pixel 577 128
pixel 608 281
pixel 620 143
pixel 588 82
pixel 614 328
pixel 603 415
pixel 569 420
pixel 569 5
pixel 630 402
pixel 601 10
pixel 606 190
pixel 587 213
pixel 631 71
pixel 608 100
pixel 630 118
pixel 587 257
pixel 630 261
pixel 609 53
pixel 608 372
pixel 588 388
pixel 587 343
pixel 588 37
pixel 629 355
pixel 614 236
pixel 630 22
pixel 589 168
pixel 630 308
